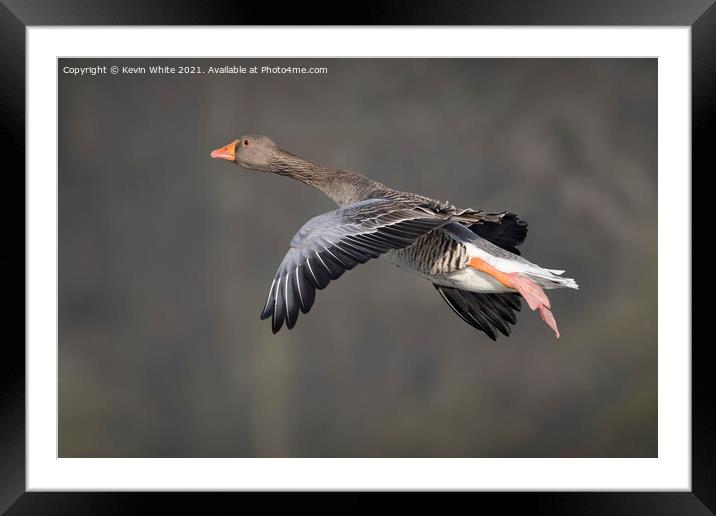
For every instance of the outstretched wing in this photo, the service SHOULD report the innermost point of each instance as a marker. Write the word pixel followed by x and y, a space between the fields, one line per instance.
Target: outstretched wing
pixel 486 312
pixel 332 243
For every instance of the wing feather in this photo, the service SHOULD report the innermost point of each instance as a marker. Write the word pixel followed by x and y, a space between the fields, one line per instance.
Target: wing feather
pixel 489 313
pixel 332 243
pixel 507 233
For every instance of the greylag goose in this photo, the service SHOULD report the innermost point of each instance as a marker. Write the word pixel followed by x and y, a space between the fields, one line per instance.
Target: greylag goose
pixel 470 256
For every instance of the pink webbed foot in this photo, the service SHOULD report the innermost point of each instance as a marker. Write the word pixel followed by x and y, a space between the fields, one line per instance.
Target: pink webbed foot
pixel 535 297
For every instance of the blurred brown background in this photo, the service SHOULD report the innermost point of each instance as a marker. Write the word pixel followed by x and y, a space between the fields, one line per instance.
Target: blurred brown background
pixel 165 258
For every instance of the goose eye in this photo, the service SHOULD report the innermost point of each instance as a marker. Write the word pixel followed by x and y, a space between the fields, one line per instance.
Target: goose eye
pixel 246 142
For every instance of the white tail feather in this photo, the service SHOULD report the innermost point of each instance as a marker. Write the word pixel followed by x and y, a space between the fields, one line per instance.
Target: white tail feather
pixel 552 281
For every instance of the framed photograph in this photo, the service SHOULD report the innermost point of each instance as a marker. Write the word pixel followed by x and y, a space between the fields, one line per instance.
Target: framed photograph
pixel 219 220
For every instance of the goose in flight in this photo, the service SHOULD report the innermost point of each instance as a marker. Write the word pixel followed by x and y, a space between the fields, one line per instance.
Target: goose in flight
pixel 470 256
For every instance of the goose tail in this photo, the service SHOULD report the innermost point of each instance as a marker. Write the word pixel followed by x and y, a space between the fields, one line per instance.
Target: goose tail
pixel 552 280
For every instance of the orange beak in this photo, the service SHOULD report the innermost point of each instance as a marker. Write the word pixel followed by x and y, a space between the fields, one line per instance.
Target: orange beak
pixel 227 152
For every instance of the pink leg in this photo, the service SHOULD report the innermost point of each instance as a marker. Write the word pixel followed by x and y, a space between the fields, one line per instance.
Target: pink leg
pixel 530 290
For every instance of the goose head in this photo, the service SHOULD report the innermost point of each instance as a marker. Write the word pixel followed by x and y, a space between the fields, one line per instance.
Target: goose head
pixel 251 151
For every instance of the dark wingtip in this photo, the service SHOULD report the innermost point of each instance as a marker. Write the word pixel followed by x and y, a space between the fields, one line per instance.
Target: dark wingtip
pixel 268 307
pixel 508 233
pixel 490 333
pixel 490 313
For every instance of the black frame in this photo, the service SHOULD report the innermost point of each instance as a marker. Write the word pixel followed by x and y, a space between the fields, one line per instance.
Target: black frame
pixel 700 15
